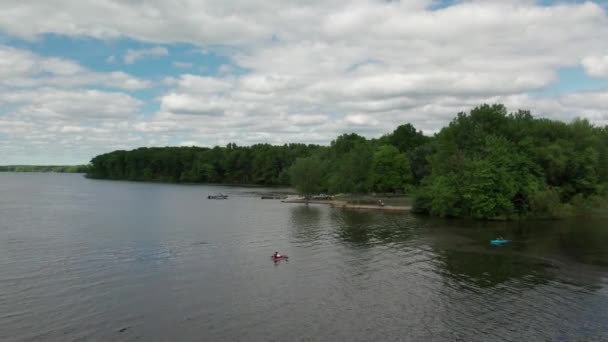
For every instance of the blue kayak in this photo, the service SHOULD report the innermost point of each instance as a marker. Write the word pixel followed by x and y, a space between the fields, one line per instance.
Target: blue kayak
pixel 498 241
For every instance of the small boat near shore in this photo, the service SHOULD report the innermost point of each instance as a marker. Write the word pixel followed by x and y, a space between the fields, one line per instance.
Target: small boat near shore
pixel 219 196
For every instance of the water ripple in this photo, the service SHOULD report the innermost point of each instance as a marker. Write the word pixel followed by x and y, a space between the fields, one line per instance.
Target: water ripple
pixel 112 261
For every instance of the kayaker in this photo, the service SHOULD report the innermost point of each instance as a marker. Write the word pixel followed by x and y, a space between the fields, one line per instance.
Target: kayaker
pixel 277 255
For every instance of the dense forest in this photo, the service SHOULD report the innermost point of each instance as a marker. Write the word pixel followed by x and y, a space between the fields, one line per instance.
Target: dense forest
pixel 45 168
pixel 485 164
pixel 258 164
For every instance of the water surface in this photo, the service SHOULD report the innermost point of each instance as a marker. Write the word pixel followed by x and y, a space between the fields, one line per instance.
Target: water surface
pixel 86 259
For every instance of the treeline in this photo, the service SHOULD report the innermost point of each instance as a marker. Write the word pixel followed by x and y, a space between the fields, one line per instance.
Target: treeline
pixel 487 163
pixel 491 164
pixel 45 168
pixel 394 163
pixel 262 164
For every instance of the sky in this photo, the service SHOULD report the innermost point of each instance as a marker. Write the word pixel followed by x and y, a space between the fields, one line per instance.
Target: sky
pixel 81 78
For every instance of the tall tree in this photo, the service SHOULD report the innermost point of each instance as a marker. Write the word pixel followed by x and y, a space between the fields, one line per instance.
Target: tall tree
pixel 406 138
pixel 307 175
pixel 390 170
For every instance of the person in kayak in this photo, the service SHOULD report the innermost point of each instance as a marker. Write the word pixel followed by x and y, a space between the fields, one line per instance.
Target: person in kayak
pixel 276 255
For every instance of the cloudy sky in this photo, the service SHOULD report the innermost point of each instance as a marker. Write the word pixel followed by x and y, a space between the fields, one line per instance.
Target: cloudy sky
pixel 79 78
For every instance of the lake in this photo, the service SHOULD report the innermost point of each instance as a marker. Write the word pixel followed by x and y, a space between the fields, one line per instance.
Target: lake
pixel 85 259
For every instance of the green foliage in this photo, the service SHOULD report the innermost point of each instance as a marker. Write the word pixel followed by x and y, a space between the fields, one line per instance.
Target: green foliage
pixel 390 170
pixel 594 205
pixel 488 190
pixel 486 164
pixel 349 165
pixel 546 203
pixel 444 195
pixel 406 138
pixel 258 164
pixel 489 164
pixel 346 143
pixel 419 162
pixel 306 175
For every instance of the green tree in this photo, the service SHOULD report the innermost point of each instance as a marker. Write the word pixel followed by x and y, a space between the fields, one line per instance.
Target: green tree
pixel 390 170
pixel 486 163
pixel 349 172
pixel 306 175
pixel 419 162
pixel 406 138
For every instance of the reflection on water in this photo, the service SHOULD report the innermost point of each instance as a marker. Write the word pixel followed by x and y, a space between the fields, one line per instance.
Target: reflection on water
pixel 586 243
pixel 363 228
pixel 119 261
pixel 540 251
pixel 306 223
pixel 492 269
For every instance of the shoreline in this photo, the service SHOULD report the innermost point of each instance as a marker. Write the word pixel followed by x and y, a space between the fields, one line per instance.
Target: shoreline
pixel 345 205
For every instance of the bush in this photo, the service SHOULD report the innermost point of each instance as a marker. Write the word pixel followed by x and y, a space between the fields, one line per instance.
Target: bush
pixel 547 204
pixel 589 206
pixel 422 203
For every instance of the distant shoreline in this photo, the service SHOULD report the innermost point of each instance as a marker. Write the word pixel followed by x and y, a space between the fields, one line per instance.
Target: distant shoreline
pixel 45 168
pixel 37 171
pixel 346 205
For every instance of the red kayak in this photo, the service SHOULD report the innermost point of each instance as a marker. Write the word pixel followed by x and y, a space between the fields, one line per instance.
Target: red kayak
pixel 280 257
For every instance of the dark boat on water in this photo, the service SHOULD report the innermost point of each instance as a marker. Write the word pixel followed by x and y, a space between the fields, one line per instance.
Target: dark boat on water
pixel 218 196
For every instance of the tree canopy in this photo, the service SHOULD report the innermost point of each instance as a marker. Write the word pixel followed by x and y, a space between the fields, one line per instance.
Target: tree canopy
pixel 262 164
pixel 491 164
pixel 307 175
pixel 484 164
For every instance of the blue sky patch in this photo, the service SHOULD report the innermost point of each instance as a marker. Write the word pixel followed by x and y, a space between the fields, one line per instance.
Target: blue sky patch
pixel 108 55
pixel 571 80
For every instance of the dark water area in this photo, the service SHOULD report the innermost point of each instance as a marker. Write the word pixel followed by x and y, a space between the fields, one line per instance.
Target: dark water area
pixel 91 260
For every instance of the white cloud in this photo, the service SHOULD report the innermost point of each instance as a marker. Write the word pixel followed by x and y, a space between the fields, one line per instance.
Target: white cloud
pixel 587 104
pixel 21 68
pixel 111 59
pixel 596 66
pixel 361 120
pixel 133 55
pixel 202 84
pixel 71 104
pixel 308 71
pixel 186 104
pixel 307 120
pixel 190 143
pixel 51 125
